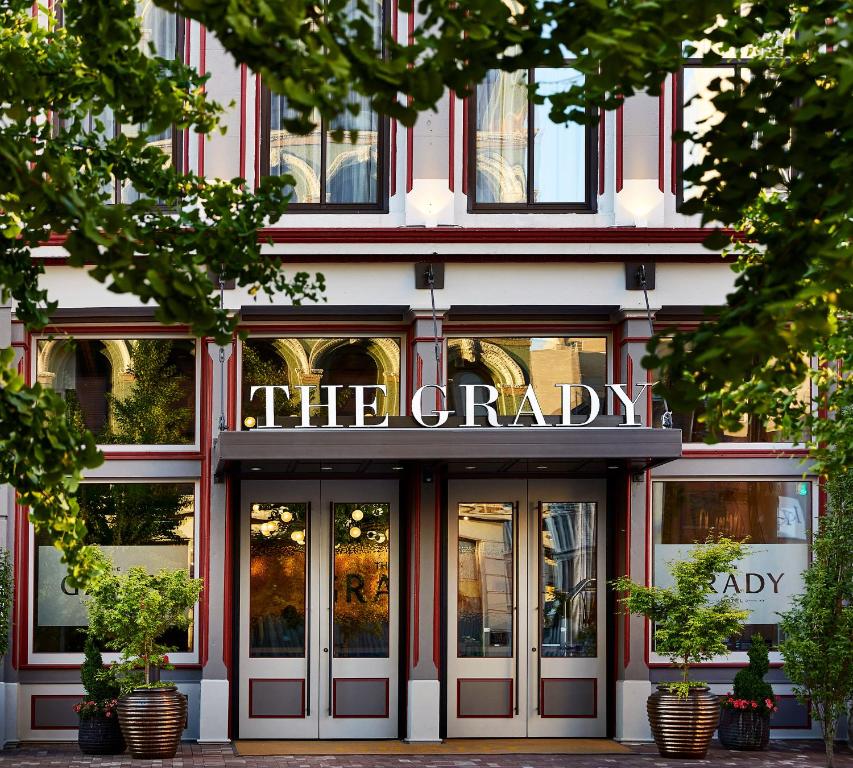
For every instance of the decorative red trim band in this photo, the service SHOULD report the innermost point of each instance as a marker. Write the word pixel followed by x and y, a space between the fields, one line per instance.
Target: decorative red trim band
pixel 438 235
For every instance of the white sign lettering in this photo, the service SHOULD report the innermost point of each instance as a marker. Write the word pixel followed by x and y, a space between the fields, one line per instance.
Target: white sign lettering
pixel 480 400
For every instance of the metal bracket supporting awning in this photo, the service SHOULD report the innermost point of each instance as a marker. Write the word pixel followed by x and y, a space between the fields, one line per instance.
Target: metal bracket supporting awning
pixel 635 448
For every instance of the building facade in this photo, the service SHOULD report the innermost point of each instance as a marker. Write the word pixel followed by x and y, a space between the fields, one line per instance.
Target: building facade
pixel 407 502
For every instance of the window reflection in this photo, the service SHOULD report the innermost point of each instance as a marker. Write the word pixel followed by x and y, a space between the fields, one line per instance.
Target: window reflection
pixel 699 114
pixel 362 579
pixel 319 362
pixel 569 585
pixel 512 133
pixel 485 580
pixel 327 169
pixel 126 391
pixel 135 524
pixel 775 517
pixel 160 35
pixel 278 540
pixel 510 364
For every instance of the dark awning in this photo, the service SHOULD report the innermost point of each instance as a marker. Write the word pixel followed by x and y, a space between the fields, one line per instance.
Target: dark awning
pixel 635 448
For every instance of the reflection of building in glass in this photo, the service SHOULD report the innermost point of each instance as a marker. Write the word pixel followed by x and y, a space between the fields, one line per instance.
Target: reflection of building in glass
pixel 510 364
pixel 569 583
pixel 319 362
pixel 485 580
pixel 131 391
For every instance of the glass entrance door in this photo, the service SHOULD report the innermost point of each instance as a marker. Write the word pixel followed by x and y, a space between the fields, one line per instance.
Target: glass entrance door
pixel 526 653
pixel 318 609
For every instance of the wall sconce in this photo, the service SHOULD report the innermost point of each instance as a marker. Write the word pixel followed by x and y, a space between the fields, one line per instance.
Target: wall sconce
pixel 640 204
pixel 429 204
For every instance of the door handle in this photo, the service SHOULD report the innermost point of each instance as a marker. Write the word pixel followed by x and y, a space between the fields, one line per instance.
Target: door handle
pixel 325 650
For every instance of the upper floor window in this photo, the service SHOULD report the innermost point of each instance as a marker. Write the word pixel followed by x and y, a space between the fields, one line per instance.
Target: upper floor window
pixel 523 160
pixel 162 35
pixel 511 364
pixel 696 113
pixel 342 164
pixel 126 391
pixel 316 362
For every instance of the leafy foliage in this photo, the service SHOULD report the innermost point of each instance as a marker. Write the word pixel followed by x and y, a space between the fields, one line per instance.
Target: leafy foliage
pixel 131 610
pixel 787 127
pixel 818 629
pixel 749 682
pixel 688 627
pixel 159 247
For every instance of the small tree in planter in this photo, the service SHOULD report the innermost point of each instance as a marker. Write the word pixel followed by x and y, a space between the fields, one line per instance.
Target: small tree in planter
pixel 745 715
pixel 132 610
pixel 818 630
pixel 99 732
pixel 689 629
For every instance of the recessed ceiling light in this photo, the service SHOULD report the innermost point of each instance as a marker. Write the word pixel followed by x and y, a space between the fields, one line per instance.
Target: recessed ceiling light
pixel 396 469
pixel 541 466
pixel 255 469
pixel 326 469
pixel 470 467
pixel 613 466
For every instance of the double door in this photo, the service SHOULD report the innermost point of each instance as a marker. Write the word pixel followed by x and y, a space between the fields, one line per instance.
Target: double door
pixel 525 630
pixel 319 621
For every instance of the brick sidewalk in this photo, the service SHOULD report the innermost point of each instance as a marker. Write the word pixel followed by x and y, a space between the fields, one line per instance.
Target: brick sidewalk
pixel 788 754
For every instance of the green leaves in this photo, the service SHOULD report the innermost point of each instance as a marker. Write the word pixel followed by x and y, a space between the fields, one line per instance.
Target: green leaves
pixel 818 630
pixel 44 458
pixel 689 628
pixel 129 611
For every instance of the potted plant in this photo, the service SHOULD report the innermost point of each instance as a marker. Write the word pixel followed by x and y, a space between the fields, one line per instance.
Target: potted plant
pixel 745 713
pixel 689 628
pixel 99 732
pixel 133 610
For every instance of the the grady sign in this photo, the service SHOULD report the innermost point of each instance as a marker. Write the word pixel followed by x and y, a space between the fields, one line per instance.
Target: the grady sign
pixel 478 399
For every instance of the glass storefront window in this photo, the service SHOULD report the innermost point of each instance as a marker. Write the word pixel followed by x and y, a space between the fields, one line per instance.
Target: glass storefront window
pixel 279 538
pixel 362 579
pixel 753 429
pixel 510 364
pixel 775 517
pixel 135 524
pixel 317 362
pixel 569 586
pixel 485 580
pixel 126 391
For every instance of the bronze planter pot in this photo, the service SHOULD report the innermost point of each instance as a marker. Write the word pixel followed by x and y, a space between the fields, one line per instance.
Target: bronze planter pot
pixel 152 720
pixel 683 727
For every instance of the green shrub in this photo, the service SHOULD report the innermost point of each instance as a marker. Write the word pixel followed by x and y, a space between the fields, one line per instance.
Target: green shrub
pixel 689 628
pixel 99 683
pixel 749 682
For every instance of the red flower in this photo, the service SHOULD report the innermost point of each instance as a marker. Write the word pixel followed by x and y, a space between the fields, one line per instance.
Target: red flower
pixel 108 713
pixel 166 659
